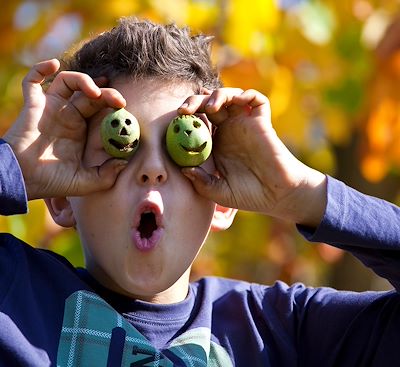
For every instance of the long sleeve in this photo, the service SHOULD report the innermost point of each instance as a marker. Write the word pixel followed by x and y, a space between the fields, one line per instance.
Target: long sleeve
pixel 13 198
pixel 366 226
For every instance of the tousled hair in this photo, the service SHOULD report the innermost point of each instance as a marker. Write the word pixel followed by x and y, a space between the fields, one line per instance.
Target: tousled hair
pixel 142 49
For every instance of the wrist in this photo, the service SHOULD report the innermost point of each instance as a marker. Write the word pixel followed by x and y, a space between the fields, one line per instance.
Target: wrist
pixel 308 201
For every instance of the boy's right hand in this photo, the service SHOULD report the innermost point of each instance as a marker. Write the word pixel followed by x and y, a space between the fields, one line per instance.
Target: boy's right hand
pixel 49 135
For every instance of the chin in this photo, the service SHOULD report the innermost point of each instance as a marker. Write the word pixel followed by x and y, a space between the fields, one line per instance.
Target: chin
pixel 157 289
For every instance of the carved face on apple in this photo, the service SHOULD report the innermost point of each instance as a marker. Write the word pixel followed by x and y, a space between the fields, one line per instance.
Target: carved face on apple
pixel 120 133
pixel 189 141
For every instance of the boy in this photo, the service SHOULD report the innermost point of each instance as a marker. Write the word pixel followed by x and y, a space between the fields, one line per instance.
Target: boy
pixel 143 221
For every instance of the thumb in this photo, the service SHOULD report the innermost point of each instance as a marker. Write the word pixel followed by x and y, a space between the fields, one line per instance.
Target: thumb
pixel 102 177
pixel 209 186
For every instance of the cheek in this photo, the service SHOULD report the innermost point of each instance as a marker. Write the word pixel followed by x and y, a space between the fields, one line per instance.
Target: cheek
pixel 91 215
pixel 196 217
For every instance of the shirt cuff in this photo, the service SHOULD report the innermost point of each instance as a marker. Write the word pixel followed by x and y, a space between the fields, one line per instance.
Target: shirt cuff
pixel 332 218
pixel 13 197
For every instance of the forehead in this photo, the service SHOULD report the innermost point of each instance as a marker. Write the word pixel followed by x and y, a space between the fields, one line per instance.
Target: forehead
pixel 150 99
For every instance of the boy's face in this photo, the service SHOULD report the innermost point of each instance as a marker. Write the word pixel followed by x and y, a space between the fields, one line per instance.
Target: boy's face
pixel 141 236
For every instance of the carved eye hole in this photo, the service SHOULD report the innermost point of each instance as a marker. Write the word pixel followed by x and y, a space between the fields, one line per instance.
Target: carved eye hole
pixel 176 129
pixel 115 123
pixel 128 122
pixel 196 124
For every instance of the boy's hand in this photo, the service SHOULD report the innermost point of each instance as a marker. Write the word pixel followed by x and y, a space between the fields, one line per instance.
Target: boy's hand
pixel 49 135
pixel 255 171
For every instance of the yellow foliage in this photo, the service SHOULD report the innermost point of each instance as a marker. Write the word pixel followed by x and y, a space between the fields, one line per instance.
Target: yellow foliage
pixel 243 74
pixel 374 167
pixel 171 10
pixel 378 128
pixel 337 125
pixel 281 90
pixel 293 124
pixel 117 7
pixel 247 25
pixel 382 132
pixel 323 160
pixel 201 15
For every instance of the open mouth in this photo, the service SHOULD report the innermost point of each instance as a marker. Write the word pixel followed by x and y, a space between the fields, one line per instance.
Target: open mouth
pixel 195 150
pixel 123 147
pixel 147 224
pixel 148 228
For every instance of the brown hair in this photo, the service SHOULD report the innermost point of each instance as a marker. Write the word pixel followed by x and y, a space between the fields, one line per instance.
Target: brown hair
pixel 140 49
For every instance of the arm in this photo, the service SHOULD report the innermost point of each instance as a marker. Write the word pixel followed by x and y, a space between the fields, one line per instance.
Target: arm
pixel 12 189
pixel 366 226
pixel 257 172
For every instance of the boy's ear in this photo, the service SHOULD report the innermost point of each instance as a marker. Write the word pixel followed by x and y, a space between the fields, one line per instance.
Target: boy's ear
pixel 223 218
pixel 61 211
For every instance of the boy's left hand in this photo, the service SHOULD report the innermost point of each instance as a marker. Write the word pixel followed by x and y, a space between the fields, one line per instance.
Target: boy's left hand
pixel 255 171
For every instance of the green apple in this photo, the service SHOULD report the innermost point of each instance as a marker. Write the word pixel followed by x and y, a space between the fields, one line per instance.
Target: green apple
pixel 188 140
pixel 120 133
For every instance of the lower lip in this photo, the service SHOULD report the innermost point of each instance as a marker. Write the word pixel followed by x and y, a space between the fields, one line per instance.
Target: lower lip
pixel 147 244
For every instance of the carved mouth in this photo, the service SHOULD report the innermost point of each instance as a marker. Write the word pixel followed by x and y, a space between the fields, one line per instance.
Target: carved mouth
pixel 195 150
pixel 123 147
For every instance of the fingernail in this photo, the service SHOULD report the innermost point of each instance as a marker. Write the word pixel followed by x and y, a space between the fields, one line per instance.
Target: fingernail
pixel 210 102
pixel 185 105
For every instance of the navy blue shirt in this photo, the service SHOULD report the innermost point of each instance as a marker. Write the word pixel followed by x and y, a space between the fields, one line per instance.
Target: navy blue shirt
pixel 52 314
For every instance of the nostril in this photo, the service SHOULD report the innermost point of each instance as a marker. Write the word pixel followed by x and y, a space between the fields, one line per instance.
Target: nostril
pixel 188 132
pixel 123 132
pixel 157 179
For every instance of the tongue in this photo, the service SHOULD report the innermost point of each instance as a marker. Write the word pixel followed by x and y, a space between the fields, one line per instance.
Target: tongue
pixel 146 244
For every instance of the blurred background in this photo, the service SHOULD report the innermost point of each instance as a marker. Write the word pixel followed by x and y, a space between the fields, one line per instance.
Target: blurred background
pixel 331 70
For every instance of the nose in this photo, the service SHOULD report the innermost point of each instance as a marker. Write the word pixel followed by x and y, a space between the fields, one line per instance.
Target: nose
pixel 151 170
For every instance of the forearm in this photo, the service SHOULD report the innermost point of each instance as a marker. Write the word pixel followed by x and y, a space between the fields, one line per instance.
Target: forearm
pixel 13 199
pixel 366 226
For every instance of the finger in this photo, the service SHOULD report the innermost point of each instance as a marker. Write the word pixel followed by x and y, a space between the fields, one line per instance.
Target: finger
pixel 31 84
pixel 197 104
pixel 192 104
pixel 221 98
pixel 256 101
pixel 87 107
pixel 213 105
pixel 99 178
pixel 67 83
pixel 205 91
pixel 210 186
pixel 218 107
